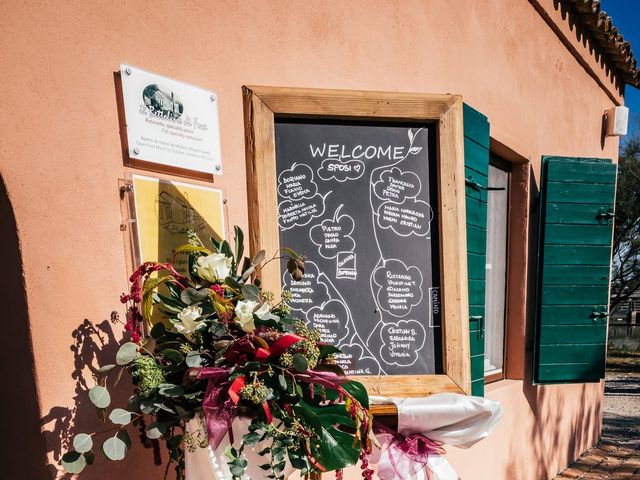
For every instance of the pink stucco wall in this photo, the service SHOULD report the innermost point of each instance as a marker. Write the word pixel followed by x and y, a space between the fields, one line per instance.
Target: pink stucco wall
pixel 60 159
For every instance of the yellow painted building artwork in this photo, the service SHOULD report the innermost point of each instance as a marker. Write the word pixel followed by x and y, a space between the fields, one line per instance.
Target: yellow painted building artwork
pixel 165 211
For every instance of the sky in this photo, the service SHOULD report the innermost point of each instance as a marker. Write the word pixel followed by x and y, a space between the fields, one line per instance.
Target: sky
pixel 626 17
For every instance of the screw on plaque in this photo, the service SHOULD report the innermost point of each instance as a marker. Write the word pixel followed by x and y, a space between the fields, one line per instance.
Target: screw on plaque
pixel 127 70
pixel 136 150
pixel 213 98
pixel 218 168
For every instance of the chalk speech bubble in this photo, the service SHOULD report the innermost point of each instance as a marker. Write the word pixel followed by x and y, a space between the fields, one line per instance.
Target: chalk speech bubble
pixel 396 186
pixel 331 320
pixel 399 287
pixel 412 217
pixel 297 183
pixel 298 213
pixel 339 170
pixel 354 361
pixel 333 235
pixel 401 342
pixel 309 291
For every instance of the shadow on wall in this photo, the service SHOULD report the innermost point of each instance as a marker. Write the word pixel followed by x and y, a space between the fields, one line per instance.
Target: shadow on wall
pixel 19 400
pixel 93 345
pixel 554 441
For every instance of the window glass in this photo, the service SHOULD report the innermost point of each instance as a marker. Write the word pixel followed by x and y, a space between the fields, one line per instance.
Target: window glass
pixel 496 268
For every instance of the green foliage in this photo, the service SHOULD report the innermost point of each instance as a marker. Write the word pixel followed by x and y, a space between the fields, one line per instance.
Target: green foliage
pixel 626 235
pixel 288 423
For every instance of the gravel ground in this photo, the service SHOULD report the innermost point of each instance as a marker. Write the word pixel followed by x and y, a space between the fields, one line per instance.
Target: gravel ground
pixel 622 400
pixel 617 456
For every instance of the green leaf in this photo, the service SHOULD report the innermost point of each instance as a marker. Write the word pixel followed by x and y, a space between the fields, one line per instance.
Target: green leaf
pixel 124 436
pixel 251 292
pixel 99 396
pixel 90 457
pixel 247 273
pixel 193 359
pixel 126 353
pixel 282 381
pixel 189 249
pixel 155 431
pixel 358 391
pixel 218 329
pixel 173 355
pixel 82 442
pixel 251 438
pixel 226 249
pixel 106 368
pixel 114 448
pixel 236 471
pixel 333 448
pixel 289 253
pixel 120 416
pixel 300 363
pixel 170 390
pixel 258 258
pixel 328 350
pixel 191 296
pixel 238 241
pixel 150 284
pixel 158 330
pixel 73 462
pixel 232 283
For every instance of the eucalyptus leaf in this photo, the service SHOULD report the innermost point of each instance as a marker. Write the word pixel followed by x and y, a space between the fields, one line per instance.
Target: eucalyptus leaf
pixel 114 448
pixel 259 258
pixel 193 359
pixel 106 368
pixel 170 390
pixel 126 353
pixel 120 416
pixel 82 442
pixel 191 296
pixel 251 292
pixel 155 431
pixel 73 462
pixel 99 396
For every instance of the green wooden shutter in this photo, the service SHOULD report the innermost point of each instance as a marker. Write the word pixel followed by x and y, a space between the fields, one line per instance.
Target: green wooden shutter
pixel 574 261
pixel 476 162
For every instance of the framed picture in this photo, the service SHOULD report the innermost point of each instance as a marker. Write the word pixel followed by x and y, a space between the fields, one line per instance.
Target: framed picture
pixel 370 187
pixel 165 211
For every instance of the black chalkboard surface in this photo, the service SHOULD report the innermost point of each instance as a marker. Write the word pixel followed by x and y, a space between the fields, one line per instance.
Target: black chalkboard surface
pixel 360 201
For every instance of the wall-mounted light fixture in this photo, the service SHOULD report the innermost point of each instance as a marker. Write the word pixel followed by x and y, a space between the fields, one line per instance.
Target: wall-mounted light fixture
pixel 617 120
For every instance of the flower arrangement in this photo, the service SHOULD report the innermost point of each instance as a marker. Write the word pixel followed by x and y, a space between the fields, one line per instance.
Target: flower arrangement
pixel 225 348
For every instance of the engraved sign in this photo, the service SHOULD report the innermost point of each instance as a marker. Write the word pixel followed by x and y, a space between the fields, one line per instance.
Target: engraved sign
pixel 170 123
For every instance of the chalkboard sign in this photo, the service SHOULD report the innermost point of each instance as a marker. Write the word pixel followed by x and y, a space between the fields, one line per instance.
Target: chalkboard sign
pixel 370 187
pixel 360 202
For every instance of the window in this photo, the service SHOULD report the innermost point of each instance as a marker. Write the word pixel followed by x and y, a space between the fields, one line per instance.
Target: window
pixel 496 269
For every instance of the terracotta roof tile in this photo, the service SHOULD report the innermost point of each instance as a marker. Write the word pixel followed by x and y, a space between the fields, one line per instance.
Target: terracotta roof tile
pixel 604 38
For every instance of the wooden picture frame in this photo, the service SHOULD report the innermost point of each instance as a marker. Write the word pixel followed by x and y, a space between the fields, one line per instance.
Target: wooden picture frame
pixel 262 105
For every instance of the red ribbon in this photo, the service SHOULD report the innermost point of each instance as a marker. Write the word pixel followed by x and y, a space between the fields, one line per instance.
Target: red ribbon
pixel 283 343
pixel 234 389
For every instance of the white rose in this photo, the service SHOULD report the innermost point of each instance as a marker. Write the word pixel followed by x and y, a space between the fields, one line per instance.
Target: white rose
pixel 216 266
pixel 188 320
pixel 244 315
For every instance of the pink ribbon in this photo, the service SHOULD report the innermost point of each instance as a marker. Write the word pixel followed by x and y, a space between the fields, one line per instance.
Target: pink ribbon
pixel 403 456
pixel 219 410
